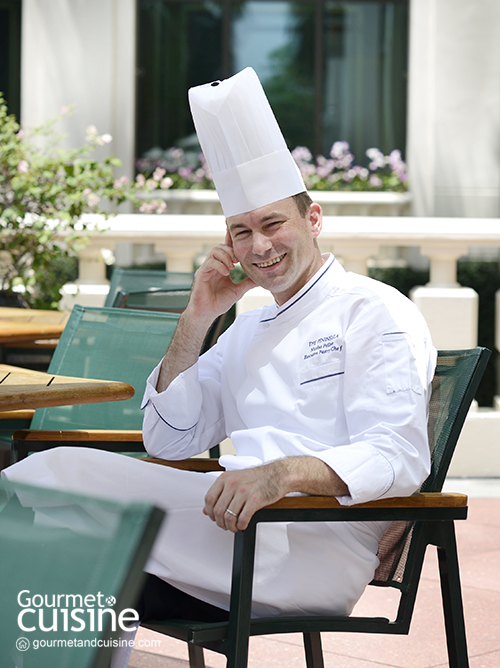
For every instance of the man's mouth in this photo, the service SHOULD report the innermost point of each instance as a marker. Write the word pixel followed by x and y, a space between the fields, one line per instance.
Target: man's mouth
pixel 269 263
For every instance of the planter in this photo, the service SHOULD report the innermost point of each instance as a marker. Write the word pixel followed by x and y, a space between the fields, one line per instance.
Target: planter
pixel 333 203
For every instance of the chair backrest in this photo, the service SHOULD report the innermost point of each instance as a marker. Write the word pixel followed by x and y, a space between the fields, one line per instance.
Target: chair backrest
pixel 65 560
pixel 156 299
pixel 172 301
pixel 112 344
pixel 457 377
pixel 126 280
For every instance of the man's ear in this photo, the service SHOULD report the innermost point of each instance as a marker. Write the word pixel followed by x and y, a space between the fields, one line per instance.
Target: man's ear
pixel 315 216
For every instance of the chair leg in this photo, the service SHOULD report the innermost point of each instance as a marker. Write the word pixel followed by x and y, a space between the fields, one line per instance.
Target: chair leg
pixel 452 598
pixel 196 657
pixel 313 650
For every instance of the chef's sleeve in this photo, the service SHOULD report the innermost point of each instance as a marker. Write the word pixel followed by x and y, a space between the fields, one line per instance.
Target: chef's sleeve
pixel 387 375
pixel 187 418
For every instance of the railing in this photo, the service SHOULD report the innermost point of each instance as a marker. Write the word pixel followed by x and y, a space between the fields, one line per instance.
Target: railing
pixel 334 203
pixel 450 310
pixel 356 240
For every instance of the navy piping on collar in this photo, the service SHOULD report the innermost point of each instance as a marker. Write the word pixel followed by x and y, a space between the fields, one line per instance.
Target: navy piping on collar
pixel 302 295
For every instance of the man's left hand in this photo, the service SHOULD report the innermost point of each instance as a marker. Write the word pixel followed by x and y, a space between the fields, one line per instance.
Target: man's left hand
pixel 236 495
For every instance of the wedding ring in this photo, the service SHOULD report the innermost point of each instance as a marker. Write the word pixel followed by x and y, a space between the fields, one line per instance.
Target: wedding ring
pixel 231 513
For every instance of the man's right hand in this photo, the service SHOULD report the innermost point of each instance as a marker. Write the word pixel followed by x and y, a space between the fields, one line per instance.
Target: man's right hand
pixel 213 292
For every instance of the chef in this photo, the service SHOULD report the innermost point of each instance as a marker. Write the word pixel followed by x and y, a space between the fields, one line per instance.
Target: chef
pixel 324 392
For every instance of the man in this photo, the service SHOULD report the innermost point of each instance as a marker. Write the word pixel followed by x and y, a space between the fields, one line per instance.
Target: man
pixel 325 392
pixel 277 249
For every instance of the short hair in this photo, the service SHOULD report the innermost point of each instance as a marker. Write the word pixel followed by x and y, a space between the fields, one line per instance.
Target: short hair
pixel 303 202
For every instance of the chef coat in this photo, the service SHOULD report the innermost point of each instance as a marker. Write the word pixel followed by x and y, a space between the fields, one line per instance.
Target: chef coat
pixel 340 372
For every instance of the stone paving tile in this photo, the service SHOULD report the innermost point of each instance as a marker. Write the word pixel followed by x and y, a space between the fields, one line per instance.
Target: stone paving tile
pixel 482 571
pixel 172 652
pixel 288 652
pixel 425 647
pixel 141 659
pixel 264 652
pixel 484 511
pixel 491 660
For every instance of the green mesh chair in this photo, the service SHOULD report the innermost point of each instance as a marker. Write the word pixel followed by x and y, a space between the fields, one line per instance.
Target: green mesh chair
pixel 126 280
pixel 107 343
pixel 173 300
pixel 65 558
pixel 426 518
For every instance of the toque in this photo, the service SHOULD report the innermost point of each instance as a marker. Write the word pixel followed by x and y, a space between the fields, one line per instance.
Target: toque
pixel 243 144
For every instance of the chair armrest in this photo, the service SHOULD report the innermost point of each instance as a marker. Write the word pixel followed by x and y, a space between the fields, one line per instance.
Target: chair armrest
pixel 78 435
pixel 25 441
pixel 194 464
pixel 21 414
pixel 417 500
pixel 113 440
pixel 434 506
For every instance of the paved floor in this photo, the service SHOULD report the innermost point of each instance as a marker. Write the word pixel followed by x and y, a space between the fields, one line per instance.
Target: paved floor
pixel 479 550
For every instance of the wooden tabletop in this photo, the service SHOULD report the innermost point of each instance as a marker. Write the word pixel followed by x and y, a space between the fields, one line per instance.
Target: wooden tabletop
pixel 19 325
pixel 24 388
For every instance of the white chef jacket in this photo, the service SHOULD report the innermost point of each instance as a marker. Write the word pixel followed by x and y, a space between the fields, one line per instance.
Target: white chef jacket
pixel 340 372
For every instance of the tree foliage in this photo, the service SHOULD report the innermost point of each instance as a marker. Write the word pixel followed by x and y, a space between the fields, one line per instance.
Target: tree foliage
pixel 44 192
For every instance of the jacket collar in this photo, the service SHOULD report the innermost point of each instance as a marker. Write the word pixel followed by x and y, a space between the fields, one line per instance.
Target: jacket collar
pixel 314 291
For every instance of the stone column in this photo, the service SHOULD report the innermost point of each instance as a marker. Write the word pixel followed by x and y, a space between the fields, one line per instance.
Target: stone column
pixel 91 267
pixel 355 256
pixel 179 257
pixel 92 286
pixel 450 310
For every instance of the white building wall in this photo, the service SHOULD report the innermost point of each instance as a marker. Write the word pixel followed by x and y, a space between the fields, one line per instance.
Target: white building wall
pixel 81 52
pixel 454 107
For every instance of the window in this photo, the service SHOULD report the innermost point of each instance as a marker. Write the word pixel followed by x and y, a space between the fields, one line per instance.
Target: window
pixel 10 54
pixel 331 70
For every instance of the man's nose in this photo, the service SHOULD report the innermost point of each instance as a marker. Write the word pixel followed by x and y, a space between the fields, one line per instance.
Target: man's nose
pixel 260 244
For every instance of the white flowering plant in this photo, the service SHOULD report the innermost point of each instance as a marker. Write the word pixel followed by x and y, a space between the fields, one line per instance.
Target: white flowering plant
pixel 44 191
pixel 189 170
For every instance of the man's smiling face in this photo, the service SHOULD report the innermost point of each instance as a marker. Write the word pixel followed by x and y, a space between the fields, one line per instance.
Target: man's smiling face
pixel 276 247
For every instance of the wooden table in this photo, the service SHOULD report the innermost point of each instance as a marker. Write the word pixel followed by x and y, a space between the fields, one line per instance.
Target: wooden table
pixel 19 325
pixel 24 388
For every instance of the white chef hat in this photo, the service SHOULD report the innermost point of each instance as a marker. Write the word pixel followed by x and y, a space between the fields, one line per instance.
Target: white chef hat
pixel 242 143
